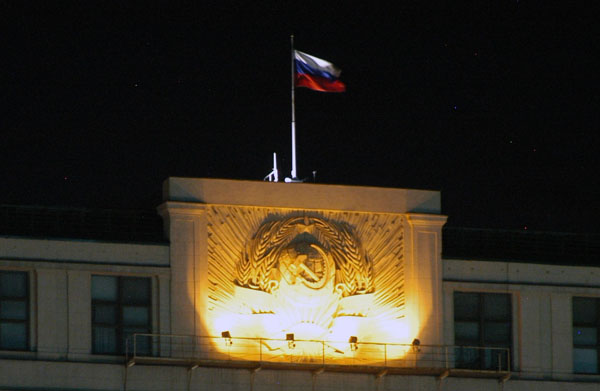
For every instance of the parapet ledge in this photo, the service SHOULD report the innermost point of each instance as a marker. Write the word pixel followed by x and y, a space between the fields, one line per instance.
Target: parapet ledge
pixel 301 196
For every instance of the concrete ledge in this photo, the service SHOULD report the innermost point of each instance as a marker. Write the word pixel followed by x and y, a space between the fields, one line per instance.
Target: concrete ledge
pixel 520 273
pixel 84 251
pixel 301 195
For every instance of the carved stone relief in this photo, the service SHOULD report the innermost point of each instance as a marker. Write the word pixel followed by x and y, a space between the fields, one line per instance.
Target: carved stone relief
pixel 273 272
pixel 306 250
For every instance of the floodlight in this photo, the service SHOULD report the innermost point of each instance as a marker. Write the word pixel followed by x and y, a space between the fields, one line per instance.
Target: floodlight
pixel 416 343
pixel 290 338
pixel 227 336
pixel 353 340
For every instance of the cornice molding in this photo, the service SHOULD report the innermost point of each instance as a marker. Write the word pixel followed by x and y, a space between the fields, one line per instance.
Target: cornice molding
pixel 171 208
pixel 429 220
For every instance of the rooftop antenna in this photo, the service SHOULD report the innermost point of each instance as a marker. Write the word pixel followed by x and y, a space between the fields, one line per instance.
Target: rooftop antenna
pixel 273 175
pixel 294 177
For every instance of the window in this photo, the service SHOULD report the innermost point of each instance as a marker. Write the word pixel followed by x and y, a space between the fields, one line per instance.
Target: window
pixel 14 310
pixel 121 306
pixel 586 334
pixel 482 321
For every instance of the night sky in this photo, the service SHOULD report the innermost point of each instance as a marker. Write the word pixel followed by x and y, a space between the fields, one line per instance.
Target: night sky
pixel 495 103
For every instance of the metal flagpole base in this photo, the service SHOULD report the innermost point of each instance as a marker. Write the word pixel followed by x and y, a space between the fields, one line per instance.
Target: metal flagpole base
pixel 293 180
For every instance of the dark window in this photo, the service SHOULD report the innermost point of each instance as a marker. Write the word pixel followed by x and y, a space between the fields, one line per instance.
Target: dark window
pixel 14 310
pixel 482 321
pixel 121 306
pixel 586 334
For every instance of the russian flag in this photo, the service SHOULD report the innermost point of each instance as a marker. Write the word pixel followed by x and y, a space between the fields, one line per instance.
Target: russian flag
pixel 317 74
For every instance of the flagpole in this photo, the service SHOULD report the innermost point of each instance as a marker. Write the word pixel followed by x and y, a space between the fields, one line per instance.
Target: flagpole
pixel 293 113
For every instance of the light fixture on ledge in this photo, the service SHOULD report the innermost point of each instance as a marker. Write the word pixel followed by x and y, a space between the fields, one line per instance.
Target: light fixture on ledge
pixel 290 340
pixel 353 340
pixel 416 343
pixel 227 337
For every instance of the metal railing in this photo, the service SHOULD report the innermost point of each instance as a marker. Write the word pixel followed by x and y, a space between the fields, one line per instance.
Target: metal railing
pixel 195 349
pixel 519 245
pixel 81 223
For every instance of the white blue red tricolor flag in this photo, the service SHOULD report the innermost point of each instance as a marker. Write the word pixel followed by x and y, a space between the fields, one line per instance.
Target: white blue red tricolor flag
pixel 317 74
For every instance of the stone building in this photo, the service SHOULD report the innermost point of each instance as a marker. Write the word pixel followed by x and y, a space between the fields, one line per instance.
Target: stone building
pixel 241 285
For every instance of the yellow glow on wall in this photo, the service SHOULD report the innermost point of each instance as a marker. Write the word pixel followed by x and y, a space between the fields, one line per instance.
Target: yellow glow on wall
pixel 312 278
pixel 335 337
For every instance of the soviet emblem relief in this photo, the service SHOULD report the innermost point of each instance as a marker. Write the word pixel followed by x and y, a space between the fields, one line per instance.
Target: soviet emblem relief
pixel 303 269
pixel 306 250
pixel 321 276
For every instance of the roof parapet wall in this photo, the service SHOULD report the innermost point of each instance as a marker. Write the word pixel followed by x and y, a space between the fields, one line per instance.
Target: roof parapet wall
pixel 301 195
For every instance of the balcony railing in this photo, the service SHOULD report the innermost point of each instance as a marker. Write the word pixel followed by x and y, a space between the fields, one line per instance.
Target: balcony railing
pixel 521 246
pixel 311 355
pixel 81 223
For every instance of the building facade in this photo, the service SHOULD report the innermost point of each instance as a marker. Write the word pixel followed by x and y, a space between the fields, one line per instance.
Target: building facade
pixel 274 286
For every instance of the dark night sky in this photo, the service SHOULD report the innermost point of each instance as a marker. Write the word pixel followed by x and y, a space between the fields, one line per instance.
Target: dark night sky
pixel 495 103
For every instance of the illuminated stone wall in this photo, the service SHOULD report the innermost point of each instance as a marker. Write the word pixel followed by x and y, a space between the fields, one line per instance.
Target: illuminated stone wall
pixel 322 275
pixel 264 260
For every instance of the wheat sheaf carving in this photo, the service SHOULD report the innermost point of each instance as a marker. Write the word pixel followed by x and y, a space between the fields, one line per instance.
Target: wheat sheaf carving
pixel 258 266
